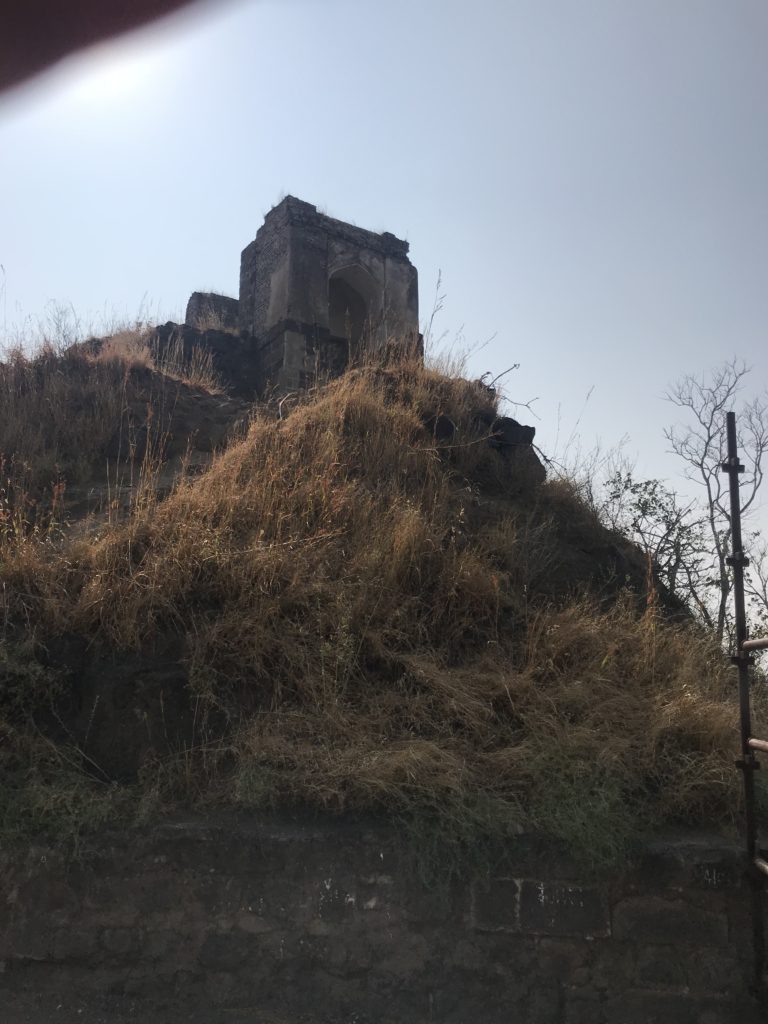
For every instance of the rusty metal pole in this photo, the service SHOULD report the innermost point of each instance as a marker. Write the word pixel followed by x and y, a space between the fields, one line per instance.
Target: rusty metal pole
pixel 742 659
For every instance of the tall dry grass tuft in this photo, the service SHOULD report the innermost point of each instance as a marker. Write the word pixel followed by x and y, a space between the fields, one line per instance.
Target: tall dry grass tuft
pixel 55 409
pixel 195 368
pixel 127 349
pixel 67 411
pixel 375 619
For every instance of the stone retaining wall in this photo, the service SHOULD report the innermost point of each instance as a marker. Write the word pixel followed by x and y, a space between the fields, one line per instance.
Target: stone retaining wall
pixel 301 918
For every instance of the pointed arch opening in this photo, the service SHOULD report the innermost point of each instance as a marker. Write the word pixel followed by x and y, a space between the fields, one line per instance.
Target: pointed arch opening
pixel 354 301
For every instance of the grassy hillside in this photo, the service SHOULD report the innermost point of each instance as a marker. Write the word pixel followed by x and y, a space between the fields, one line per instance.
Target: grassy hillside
pixel 339 610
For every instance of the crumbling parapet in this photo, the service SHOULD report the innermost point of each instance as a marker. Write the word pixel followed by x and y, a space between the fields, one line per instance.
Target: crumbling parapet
pixel 209 311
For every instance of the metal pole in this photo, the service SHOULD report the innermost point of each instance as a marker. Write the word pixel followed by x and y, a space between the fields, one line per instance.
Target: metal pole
pixel 748 763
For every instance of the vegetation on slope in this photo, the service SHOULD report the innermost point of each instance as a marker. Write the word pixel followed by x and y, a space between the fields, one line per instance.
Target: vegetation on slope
pixel 343 612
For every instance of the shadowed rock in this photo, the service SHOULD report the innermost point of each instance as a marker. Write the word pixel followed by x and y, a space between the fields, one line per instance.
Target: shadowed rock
pixel 506 432
pixel 441 427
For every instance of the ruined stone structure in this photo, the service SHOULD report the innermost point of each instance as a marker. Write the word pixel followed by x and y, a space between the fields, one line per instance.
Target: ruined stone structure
pixel 279 917
pixel 312 290
pixel 207 310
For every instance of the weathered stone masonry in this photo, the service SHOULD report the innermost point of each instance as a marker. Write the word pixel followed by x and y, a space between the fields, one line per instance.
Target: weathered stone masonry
pixel 311 288
pixel 207 309
pixel 293 918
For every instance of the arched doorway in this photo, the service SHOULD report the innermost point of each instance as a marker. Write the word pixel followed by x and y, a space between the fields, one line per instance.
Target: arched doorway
pixel 354 301
pixel 347 311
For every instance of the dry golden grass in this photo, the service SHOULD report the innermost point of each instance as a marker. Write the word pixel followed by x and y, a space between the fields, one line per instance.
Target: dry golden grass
pixel 130 349
pixel 62 409
pixel 210 319
pixel 379 621
pixel 55 410
pixel 195 368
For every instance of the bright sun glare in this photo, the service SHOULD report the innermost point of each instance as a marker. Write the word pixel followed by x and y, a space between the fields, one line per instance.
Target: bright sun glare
pixel 110 72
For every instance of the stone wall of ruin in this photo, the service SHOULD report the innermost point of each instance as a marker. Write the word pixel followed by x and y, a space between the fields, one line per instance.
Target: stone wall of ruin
pixel 296 917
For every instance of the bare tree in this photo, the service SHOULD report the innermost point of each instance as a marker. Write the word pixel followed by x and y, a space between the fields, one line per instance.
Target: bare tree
pixel 756 585
pixel 700 443
pixel 669 531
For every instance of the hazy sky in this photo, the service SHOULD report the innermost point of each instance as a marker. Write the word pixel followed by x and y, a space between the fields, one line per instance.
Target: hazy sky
pixel 591 176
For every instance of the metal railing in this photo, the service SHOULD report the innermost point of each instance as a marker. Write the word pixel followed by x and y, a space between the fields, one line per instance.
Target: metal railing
pixel 758 865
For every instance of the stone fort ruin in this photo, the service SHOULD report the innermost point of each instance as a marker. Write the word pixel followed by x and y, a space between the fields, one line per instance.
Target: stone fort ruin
pixel 313 290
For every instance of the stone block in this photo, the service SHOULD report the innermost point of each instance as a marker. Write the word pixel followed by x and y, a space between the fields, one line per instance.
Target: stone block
pixel 715 971
pixel 660 965
pixel 433 906
pixel 217 894
pixel 561 957
pixel 73 944
pixel 153 894
pixel 334 902
pixel 466 954
pixel 660 921
pixel 497 907
pixel 690 861
pixel 465 997
pixel 406 956
pixel 740 923
pixel 121 942
pixel 583 1007
pixel 636 1007
pixel 558 908
pixel 44 893
pixel 728 1011
pixel 544 1003
pixel 28 940
pixel 227 951
pixel 508 955
pixel 146 983
pixel 220 986
pixel 252 923
pixel 649 1008
pixel 723 874
pixel 613 965
pixel 158 944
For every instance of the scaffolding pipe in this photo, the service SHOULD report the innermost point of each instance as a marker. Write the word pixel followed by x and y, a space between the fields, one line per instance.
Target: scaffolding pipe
pixel 748 763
